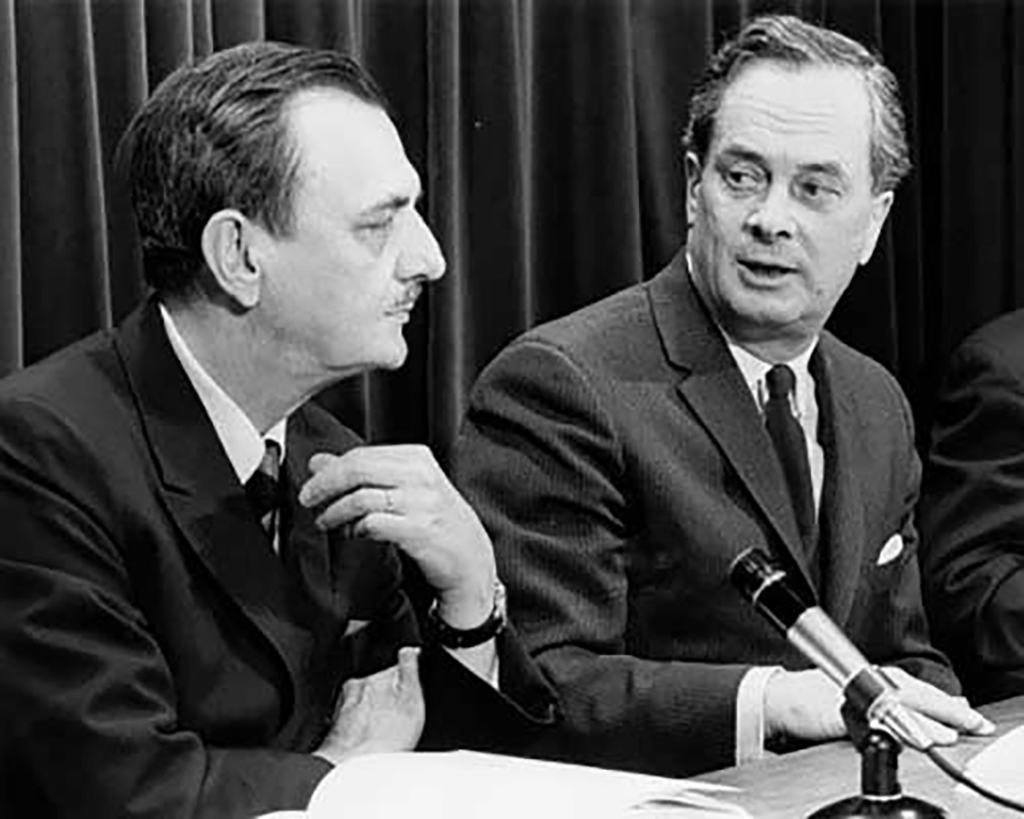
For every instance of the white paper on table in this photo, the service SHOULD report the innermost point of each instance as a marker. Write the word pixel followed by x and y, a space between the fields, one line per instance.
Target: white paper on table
pixel 468 785
pixel 1000 767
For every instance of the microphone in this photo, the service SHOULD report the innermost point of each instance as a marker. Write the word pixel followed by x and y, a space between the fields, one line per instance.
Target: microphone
pixel 764 583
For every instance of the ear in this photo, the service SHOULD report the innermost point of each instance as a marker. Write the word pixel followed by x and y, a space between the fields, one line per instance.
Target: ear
pixel 693 179
pixel 879 211
pixel 226 248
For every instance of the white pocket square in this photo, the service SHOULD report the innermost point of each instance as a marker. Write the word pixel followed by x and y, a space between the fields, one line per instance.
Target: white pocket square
pixel 891 550
pixel 354 626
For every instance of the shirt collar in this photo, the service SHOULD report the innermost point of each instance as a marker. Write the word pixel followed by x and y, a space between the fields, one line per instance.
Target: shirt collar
pixel 754 370
pixel 241 440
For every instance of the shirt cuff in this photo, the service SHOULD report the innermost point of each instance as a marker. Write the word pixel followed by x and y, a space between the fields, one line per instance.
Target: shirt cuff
pixel 750 713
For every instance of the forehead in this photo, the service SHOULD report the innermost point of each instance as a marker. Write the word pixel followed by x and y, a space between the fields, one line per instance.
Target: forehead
pixel 349 151
pixel 803 113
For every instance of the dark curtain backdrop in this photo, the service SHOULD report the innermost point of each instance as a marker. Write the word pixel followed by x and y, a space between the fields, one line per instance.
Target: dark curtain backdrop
pixel 547 133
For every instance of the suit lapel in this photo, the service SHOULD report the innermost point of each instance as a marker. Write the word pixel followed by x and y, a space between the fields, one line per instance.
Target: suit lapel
pixel 307 544
pixel 202 492
pixel 714 390
pixel 842 509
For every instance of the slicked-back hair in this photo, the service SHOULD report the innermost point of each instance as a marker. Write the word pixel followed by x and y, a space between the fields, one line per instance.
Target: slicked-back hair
pixel 793 42
pixel 214 135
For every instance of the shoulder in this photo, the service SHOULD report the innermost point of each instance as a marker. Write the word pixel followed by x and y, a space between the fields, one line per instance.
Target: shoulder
pixel 611 338
pixel 852 367
pixel 869 391
pixel 599 324
pixel 82 385
pixel 998 344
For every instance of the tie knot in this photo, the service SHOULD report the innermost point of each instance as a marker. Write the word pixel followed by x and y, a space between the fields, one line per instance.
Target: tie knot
pixel 781 381
pixel 262 486
pixel 271 463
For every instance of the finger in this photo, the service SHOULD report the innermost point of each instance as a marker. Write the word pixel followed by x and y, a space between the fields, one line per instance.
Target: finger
pixel 358 504
pixel 409 668
pixel 931 702
pixel 941 734
pixel 380 465
pixel 403 532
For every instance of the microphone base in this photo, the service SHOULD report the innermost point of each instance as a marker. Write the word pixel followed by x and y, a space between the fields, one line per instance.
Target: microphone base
pixel 901 807
pixel 881 794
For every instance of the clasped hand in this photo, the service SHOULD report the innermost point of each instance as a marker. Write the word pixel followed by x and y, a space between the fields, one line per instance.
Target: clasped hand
pixel 380 713
pixel 806 705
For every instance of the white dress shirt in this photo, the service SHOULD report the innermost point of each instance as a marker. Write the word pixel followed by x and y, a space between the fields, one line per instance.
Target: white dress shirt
pixel 750 697
pixel 242 442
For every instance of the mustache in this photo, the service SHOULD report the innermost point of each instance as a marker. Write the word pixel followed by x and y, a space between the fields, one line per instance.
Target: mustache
pixel 409 298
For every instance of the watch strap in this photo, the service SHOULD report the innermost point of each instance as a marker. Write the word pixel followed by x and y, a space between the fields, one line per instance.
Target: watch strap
pixel 452 637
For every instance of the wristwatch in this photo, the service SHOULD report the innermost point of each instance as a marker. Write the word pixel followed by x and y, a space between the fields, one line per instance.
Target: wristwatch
pixel 452 637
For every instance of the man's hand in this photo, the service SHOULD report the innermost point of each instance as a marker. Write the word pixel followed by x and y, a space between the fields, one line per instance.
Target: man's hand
pixel 942 715
pixel 379 713
pixel 806 705
pixel 399 494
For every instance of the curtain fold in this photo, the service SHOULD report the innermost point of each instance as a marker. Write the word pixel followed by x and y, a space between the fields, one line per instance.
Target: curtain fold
pixel 548 137
pixel 11 326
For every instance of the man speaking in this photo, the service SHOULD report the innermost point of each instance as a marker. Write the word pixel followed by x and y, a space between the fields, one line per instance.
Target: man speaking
pixel 623 456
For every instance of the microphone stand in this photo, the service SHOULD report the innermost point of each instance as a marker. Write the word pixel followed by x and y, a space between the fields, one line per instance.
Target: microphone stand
pixel 881 794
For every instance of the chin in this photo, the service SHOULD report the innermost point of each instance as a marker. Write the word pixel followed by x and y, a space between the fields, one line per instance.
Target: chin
pixel 394 360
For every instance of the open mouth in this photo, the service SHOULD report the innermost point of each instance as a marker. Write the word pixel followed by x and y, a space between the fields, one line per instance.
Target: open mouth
pixel 770 270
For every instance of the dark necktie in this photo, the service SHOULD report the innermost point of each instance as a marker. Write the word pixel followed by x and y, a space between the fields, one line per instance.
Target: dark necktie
pixel 788 437
pixel 263 489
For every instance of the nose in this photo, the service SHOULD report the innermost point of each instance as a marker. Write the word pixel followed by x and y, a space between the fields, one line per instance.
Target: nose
pixel 771 216
pixel 421 257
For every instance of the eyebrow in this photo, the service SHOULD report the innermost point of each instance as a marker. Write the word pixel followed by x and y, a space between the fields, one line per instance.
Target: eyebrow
pixel 827 168
pixel 389 205
pixel 833 169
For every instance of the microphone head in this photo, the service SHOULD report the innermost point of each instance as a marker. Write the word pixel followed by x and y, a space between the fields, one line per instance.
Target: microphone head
pixel 764 583
pixel 752 571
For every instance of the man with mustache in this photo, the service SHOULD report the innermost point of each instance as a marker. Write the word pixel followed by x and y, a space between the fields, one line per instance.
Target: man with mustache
pixel 201 599
pixel 623 456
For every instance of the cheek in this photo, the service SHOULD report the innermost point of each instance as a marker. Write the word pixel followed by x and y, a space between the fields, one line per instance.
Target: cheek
pixel 717 224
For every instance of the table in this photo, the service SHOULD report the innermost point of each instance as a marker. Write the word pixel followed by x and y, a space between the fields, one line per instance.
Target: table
pixel 794 785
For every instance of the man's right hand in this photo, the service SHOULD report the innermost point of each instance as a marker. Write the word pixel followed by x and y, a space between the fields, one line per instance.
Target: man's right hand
pixel 379 713
pixel 806 705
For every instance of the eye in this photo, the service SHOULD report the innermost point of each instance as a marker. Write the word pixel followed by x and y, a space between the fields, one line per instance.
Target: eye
pixel 742 178
pixel 377 233
pixel 818 192
pixel 379 226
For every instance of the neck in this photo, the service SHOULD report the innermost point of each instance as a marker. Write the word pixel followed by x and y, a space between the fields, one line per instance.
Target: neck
pixel 774 350
pixel 243 363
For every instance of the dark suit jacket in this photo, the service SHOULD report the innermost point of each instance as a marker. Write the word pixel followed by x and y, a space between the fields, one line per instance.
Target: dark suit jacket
pixel 156 657
pixel 620 463
pixel 972 512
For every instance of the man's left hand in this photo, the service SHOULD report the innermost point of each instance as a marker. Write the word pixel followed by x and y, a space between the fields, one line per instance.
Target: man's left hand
pixel 399 494
pixel 944 716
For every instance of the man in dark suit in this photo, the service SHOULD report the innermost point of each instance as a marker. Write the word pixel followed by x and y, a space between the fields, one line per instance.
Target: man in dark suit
pixel 201 602
pixel 972 512
pixel 623 456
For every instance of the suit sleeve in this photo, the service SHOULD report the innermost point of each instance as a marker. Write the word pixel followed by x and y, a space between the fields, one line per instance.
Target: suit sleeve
pixel 87 700
pixel 973 521
pixel 541 461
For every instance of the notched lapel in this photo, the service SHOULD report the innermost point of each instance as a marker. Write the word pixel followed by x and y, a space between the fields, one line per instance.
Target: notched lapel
pixel 713 388
pixel 202 492
pixel 725 407
pixel 842 508
pixel 307 543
